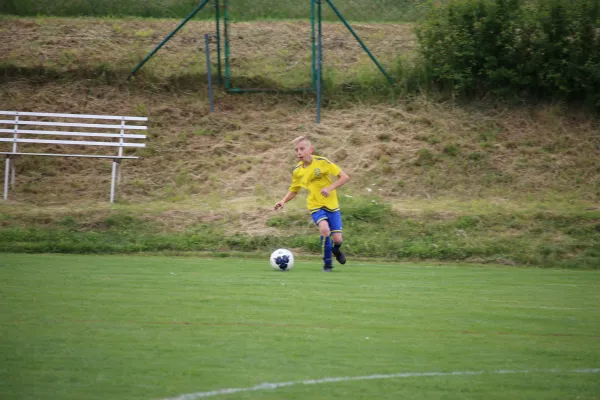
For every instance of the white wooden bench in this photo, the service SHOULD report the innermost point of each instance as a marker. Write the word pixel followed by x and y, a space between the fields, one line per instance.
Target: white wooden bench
pixel 48 127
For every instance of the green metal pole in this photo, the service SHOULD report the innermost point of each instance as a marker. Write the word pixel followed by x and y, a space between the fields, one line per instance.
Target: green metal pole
pixel 208 72
pixel 314 48
pixel 226 32
pixel 200 6
pixel 365 48
pixel 218 18
pixel 319 58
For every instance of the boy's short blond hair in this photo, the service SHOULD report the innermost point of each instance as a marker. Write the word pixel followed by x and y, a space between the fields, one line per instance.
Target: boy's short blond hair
pixel 302 139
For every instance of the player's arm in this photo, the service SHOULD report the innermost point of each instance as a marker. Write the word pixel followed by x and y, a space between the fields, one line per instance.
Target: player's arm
pixel 342 178
pixel 288 197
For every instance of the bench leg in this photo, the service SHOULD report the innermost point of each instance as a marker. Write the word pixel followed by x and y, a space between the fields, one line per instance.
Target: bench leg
pixel 6 173
pixel 112 181
pixel 12 174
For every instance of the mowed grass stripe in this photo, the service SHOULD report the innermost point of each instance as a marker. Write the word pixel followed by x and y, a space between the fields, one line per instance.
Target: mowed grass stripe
pixel 157 327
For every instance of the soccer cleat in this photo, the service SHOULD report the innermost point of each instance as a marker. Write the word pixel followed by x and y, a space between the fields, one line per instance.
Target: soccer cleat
pixel 327 268
pixel 339 256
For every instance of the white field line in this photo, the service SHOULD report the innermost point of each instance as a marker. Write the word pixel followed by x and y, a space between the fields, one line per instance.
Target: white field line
pixel 552 308
pixel 270 386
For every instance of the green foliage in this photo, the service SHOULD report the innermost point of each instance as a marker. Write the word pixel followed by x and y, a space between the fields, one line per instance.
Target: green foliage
pixel 431 139
pixel 371 229
pixel 476 156
pixel 425 157
pixel 122 221
pixel 533 48
pixel 240 10
pixel 411 75
pixel 365 209
pixel 452 150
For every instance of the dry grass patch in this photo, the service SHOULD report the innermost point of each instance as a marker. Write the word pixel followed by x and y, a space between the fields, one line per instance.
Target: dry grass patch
pixel 275 54
pixel 408 148
pixel 193 153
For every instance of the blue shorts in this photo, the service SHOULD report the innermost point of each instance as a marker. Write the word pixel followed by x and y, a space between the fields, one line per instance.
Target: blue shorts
pixel 333 217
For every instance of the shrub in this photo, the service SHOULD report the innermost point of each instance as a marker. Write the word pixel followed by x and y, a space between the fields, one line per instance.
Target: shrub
pixel 533 48
pixel 425 157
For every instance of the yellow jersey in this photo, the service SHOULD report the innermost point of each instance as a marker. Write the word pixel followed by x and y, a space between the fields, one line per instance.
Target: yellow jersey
pixel 315 177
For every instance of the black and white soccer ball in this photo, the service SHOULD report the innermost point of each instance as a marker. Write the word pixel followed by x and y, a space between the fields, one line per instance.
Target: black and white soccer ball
pixel 282 260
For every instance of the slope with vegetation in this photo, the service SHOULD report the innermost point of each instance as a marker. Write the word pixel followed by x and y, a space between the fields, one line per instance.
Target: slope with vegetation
pixel 355 10
pixel 433 176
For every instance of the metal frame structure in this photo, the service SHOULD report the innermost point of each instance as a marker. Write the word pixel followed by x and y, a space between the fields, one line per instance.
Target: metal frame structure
pixel 73 138
pixel 226 39
pixel 316 38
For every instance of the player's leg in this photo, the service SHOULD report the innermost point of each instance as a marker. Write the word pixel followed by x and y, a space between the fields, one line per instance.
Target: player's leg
pixel 335 224
pixel 320 219
pixel 336 249
pixel 326 246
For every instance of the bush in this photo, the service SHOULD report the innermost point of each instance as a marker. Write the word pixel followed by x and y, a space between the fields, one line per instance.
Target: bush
pixel 533 48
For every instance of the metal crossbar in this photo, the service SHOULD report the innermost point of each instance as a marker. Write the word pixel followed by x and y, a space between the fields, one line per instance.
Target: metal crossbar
pixel 31 120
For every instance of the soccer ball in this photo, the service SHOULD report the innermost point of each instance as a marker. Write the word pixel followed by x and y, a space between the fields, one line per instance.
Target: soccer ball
pixel 282 259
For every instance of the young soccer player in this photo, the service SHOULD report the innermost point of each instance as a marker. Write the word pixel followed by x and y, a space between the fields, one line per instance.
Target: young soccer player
pixel 314 173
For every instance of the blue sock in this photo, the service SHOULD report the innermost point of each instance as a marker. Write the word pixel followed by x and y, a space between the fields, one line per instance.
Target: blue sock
pixel 326 248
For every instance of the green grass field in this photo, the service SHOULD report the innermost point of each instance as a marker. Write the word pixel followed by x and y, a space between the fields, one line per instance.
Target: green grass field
pixel 149 327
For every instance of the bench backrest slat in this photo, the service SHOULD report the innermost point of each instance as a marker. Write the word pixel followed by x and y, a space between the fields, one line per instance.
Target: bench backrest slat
pixel 84 116
pixel 78 142
pixel 64 133
pixel 70 155
pixel 43 123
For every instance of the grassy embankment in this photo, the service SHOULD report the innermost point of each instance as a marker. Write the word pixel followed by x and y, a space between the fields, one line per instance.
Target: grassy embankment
pixel 240 10
pixel 456 181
